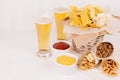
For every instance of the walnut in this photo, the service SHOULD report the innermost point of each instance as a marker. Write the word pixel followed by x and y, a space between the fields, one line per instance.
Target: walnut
pixel 104 50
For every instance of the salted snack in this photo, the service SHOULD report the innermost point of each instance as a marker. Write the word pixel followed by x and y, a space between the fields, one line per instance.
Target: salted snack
pixel 87 61
pixel 66 60
pixel 84 17
pixel 104 50
pixel 110 67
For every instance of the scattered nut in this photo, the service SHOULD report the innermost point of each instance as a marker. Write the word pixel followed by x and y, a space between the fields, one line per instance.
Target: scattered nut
pixel 90 57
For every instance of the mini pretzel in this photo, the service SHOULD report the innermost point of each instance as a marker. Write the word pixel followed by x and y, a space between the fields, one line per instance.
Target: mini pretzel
pixel 110 67
pixel 104 50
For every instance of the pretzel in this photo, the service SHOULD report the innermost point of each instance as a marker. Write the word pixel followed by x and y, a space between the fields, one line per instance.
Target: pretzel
pixel 110 67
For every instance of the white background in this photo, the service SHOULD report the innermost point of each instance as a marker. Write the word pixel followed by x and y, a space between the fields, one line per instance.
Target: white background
pixel 18 40
pixel 17 14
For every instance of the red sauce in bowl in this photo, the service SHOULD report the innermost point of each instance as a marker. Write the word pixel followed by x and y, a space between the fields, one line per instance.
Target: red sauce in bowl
pixel 61 45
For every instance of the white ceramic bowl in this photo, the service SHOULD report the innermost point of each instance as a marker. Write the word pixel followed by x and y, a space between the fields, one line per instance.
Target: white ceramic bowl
pixel 57 51
pixel 66 69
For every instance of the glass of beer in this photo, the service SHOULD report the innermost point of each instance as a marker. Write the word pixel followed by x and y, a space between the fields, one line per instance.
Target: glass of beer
pixel 43 27
pixel 60 14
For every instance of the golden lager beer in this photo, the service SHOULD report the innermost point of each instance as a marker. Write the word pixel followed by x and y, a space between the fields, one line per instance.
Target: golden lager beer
pixel 60 14
pixel 43 27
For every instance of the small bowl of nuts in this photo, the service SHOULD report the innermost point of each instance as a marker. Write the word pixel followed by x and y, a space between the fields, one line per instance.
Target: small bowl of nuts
pixel 104 50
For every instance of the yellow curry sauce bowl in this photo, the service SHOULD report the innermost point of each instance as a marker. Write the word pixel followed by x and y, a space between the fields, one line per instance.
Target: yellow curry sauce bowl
pixel 66 61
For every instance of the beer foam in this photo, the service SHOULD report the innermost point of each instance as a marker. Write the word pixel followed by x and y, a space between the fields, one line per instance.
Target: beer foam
pixel 43 20
pixel 60 10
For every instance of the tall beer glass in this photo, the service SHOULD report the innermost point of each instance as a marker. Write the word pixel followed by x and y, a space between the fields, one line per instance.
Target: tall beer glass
pixel 60 14
pixel 43 27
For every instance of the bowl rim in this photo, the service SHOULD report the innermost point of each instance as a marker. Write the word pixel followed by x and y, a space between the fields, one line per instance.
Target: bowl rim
pixel 68 54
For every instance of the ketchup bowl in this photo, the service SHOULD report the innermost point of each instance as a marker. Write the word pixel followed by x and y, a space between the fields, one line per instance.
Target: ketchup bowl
pixel 60 46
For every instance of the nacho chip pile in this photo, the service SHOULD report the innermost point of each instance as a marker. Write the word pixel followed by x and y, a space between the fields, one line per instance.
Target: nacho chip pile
pixel 84 17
